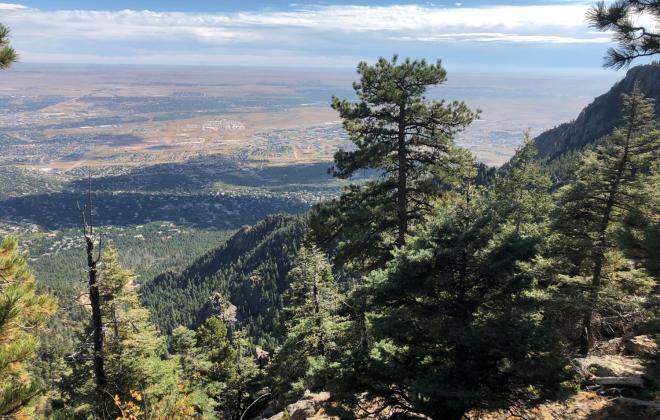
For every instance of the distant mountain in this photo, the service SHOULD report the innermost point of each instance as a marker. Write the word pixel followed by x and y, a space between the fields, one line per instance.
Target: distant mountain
pixel 244 277
pixel 601 116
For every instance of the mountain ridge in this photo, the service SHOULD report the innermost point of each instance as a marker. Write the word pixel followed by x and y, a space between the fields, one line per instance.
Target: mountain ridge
pixel 601 116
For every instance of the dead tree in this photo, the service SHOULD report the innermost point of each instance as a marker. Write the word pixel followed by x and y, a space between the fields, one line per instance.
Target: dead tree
pixel 87 222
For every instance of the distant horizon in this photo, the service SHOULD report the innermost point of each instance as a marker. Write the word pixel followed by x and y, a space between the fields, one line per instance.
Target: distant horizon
pixel 453 70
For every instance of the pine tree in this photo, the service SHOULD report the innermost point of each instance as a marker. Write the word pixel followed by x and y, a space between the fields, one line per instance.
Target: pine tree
pixel 242 384
pixel 219 354
pixel 611 182
pixel 522 191
pixel 622 17
pixel 206 359
pixel 7 54
pixel 133 351
pixel 23 313
pixel 640 238
pixel 407 140
pixel 134 346
pixel 310 320
pixel 457 323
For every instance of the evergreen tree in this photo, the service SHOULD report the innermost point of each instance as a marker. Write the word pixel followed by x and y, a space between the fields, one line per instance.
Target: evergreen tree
pixel 621 17
pixel 311 322
pixel 522 191
pixel 219 354
pixel 242 384
pixel 611 182
pixel 7 54
pixel 457 323
pixel 407 140
pixel 23 313
pixel 206 359
pixel 133 351
pixel 134 346
pixel 640 237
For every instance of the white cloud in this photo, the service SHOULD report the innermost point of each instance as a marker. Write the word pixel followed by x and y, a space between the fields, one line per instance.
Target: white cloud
pixel 42 33
pixel 502 37
pixel 344 18
pixel 11 6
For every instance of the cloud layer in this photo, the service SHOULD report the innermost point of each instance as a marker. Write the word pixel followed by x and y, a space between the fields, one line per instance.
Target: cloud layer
pixel 318 34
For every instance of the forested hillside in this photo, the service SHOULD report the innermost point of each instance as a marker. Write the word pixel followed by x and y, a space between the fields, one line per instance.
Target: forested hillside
pixel 249 270
pixel 429 287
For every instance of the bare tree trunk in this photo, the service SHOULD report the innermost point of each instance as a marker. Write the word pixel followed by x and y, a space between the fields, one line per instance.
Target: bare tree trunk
pixel 97 321
pixel 317 311
pixel 100 377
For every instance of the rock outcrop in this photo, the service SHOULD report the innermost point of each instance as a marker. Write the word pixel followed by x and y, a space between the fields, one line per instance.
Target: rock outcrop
pixel 601 116
pixel 642 346
pixel 220 307
pixel 309 407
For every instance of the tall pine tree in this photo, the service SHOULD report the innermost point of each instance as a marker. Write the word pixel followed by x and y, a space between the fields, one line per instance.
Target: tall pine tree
pixel 407 141
pixel 611 182
pixel 23 313
pixel 310 319
pixel 133 353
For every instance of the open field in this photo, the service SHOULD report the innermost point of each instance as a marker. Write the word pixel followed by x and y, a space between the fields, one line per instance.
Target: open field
pixel 65 117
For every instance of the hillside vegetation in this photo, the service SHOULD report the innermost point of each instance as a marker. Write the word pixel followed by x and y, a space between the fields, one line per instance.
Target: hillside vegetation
pixel 249 270
pixel 433 288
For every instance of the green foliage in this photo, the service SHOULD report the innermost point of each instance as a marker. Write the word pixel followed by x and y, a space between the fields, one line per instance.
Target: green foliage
pixel 408 141
pixel 640 236
pixel 23 313
pixel 456 323
pixel 311 323
pixel 523 192
pixel 250 270
pixel 243 383
pixel 207 362
pixel 7 54
pixel 133 351
pixel 621 17
pixel 613 181
pixel 562 168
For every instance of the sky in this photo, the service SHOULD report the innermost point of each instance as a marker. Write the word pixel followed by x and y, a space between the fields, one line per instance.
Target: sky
pixel 484 36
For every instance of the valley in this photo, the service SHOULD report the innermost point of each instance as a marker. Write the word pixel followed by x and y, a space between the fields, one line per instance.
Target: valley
pixel 206 150
pixel 329 210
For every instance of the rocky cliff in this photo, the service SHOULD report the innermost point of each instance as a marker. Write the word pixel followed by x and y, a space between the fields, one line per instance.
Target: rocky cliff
pixel 601 116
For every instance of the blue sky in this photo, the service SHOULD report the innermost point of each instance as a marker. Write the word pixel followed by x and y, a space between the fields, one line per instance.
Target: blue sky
pixel 548 36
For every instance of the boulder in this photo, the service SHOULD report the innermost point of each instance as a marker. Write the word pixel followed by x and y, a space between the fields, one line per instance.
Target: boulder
pixel 614 346
pixel 220 307
pixel 642 345
pixel 308 407
pixel 303 409
pixel 609 365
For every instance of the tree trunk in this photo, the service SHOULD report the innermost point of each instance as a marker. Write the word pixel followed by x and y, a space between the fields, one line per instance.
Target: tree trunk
pixel 97 321
pixel 402 193
pixel 317 312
